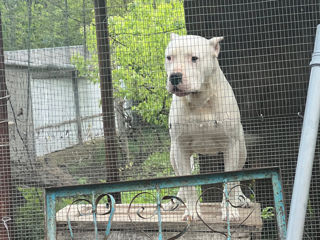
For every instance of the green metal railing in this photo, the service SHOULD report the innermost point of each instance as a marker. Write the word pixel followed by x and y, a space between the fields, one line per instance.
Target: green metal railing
pixel 98 191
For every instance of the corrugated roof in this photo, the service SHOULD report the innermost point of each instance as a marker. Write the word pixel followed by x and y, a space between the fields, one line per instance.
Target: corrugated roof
pixel 57 58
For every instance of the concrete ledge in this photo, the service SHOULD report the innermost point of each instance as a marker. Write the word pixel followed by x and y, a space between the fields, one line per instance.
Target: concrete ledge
pixel 249 226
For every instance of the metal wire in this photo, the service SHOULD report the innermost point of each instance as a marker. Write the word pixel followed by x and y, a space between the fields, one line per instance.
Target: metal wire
pixel 57 111
pixel 4 221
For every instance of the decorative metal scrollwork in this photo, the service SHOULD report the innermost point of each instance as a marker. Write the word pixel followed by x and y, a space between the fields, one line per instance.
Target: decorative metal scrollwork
pixel 94 212
pixel 229 179
pixel 174 204
pixel 226 193
pixel 164 204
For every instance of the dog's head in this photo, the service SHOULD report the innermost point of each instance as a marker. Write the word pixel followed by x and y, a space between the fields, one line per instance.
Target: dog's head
pixel 190 60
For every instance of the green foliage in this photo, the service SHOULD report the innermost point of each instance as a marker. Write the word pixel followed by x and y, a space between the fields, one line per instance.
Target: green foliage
pixel 30 216
pixel 43 23
pixel 149 197
pixel 158 165
pixel 267 213
pixel 138 41
pixel 310 209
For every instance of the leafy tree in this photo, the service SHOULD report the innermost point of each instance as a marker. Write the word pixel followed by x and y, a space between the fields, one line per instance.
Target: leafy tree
pixel 138 40
pixel 44 23
pixel 139 32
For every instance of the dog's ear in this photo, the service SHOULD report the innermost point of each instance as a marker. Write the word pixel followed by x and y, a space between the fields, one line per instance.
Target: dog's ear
pixel 173 36
pixel 214 43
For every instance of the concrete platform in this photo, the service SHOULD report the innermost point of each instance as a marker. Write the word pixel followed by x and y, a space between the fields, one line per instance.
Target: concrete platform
pixel 249 226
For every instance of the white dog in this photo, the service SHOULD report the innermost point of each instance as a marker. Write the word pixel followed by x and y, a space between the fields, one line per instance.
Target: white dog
pixel 204 115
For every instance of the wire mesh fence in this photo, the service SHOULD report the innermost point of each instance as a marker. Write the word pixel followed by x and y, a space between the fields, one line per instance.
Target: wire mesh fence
pixel 156 212
pixel 91 92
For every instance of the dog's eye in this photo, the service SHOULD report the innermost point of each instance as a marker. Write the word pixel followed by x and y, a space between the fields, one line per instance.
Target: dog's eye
pixel 194 59
pixel 169 58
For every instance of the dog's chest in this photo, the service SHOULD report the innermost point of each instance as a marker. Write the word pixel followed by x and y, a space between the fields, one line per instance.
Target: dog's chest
pixel 189 121
pixel 203 133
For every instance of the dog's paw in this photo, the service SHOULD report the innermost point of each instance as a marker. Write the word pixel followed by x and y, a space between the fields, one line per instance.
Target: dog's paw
pixel 187 217
pixel 241 201
pixel 171 205
pixel 190 216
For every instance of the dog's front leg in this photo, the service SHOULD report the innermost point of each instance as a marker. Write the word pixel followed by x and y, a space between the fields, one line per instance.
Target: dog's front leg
pixel 234 158
pixel 180 160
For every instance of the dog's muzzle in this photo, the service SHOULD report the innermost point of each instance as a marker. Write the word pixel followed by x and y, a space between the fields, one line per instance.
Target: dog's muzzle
pixel 175 78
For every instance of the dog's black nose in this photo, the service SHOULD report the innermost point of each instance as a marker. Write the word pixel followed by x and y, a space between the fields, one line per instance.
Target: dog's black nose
pixel 175 78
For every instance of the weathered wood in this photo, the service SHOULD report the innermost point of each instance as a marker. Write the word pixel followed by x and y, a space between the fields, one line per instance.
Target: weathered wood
pixel 77 105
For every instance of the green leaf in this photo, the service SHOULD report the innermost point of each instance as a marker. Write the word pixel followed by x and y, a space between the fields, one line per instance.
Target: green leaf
pixel 138 40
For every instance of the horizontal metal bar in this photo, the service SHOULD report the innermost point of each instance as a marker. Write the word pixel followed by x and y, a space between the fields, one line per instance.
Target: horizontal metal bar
pixel 170 182
pixel 59 124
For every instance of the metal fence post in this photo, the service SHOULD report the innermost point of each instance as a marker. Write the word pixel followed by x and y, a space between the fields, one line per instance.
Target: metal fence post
pixel 106 93
pixel 307 149
pixel 5 167
pixel 50 213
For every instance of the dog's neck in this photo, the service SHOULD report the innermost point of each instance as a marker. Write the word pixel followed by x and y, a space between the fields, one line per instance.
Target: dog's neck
pixel 201 99
pixel 207 95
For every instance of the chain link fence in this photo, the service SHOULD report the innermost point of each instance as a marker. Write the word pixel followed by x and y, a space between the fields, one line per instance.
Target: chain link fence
pixel 81 105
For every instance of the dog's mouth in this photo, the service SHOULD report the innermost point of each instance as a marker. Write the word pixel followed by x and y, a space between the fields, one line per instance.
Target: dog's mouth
pixel 178 92
pixel 181 93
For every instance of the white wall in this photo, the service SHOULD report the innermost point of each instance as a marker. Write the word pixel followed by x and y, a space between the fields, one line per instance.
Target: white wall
pixel 54 113
pixel 53 110
pixel 90 109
